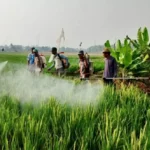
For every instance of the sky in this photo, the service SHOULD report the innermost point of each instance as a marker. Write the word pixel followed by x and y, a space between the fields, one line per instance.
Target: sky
pixel 39 22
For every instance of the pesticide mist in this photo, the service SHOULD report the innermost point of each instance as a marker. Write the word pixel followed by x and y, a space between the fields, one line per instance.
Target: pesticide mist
pixel 2 65
pixel 27 87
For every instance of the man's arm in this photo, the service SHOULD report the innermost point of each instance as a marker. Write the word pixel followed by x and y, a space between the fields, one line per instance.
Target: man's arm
pixel 52 66
pixel 28 59
pixel 41 61
pixel 28 62
pixel 115 68
pixel 51 59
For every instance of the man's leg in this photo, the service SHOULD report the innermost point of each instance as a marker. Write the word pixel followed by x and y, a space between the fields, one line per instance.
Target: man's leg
pixel 105 81
pixel 108 81
pixel 60 72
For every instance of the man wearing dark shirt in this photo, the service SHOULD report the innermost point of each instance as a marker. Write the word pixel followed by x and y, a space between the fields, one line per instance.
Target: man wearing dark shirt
pixel 110 70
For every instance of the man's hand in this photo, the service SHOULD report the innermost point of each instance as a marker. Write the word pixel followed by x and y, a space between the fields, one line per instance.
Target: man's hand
pixel 77 71
pixel 114 79
pixel 49 69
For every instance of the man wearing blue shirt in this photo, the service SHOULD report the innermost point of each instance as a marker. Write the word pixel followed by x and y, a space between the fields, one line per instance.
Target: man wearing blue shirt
pixel 110 70
pixel 30 60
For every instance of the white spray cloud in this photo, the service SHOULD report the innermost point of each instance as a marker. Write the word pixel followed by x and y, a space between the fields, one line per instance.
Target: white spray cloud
pixel 2 65
pixel 26 87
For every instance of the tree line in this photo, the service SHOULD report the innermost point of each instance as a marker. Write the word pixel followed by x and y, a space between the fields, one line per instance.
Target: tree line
pixel 20 48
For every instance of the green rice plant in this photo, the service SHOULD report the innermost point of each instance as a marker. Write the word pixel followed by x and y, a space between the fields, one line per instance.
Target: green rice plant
pixel 119 120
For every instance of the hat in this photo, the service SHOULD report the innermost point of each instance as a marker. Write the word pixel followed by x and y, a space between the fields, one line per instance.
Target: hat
pixel 81 53
pixel 35 50
pixel 106 50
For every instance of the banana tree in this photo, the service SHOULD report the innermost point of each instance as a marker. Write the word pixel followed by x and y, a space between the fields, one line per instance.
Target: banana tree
pixel 126 57
pixel 122 54
pixel 141 47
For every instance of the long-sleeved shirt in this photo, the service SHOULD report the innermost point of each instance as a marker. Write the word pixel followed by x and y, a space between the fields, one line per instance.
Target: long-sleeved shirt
pixel 57 62
pixel 110 69
pixel 31 58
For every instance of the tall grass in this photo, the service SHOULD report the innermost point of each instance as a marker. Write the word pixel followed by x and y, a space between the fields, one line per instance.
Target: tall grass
pixel 119 121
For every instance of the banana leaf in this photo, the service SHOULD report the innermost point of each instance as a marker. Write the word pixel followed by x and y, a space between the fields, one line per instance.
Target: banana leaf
pixel 145 36
pixel 118 45
pixel 145 58
pixel 139 37
pixel 107 44
pixel 126 51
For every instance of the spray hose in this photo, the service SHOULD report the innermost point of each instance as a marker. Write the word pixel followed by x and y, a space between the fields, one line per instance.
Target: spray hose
pixel 116 78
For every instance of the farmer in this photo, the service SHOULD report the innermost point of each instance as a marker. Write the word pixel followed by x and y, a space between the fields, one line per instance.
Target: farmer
pixel 30 60
pixel 58 62
pixel 110 70
pixel 83 66
pixel 37 62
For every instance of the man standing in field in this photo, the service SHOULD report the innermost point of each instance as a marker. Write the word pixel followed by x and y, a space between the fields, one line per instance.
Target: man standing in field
pixel 60 62
pixel 37 62
pixel 110 70
pixel 30 60
pixel 84 66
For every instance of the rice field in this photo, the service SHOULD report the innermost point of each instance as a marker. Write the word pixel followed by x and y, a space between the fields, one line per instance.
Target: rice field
pixel 116 120
pixel 21 58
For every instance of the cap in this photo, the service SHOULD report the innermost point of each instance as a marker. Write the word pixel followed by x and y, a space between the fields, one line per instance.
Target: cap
pixel 35 50
pixel 81 53
pixel 106 50
pixel 32 48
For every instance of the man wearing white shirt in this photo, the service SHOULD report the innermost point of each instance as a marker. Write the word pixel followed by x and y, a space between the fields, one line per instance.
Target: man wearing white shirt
pixel 57 62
